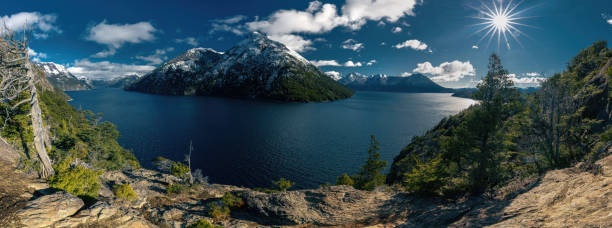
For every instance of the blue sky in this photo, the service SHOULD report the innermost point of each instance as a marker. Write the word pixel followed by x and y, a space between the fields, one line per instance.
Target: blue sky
pixel 105 39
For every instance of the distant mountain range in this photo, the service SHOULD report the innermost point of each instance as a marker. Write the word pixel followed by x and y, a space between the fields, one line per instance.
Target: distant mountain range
pixel 59 77
pixel 416 83
pixel 255 68
pixel 120 82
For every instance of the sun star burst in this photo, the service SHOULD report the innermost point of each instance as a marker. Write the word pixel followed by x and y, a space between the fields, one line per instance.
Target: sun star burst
pixel 500 21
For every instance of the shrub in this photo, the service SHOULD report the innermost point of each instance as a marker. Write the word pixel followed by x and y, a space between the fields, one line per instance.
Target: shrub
pixel 124 192
pixel 284 184
pixel 218 211
pixel 201 223
pixel 76 180
pixel 179 170
pixel 371 175
pixel 176 189
pixel 231 200
pixel 345 179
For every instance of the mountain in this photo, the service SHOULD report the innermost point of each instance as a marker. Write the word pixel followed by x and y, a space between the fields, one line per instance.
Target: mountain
pixel 120 82
pixel 59 77
pixel 257 67
pixel 416 83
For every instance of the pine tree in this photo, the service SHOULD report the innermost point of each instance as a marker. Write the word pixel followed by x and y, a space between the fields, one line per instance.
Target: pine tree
pixel 371 175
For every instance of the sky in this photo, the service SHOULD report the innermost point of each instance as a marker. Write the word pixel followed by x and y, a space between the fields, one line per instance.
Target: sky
pixel 442 39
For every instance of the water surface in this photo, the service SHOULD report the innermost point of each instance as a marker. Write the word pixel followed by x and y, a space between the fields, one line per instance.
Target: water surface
pixel 250 143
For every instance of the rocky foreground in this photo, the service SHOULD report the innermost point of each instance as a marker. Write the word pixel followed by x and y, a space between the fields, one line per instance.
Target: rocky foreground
pixel 572 197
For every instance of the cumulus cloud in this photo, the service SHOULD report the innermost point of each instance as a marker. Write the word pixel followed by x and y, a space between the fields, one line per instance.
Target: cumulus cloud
pixel 396 30
pixel 353 64
pixel 414 44
pixel 106 70
pixel 334 75
pixel 320 18
pixel 352 44
pixel 607 18
pixel 36 56
pixel 158 57
pixel 188 40
pixel 406 74
pixel 321 63
pixel 41 25
pixel 528 80
pixel 114 36
pixel 447 71
pixel 474 47
pixel 293 42
pixel 371 62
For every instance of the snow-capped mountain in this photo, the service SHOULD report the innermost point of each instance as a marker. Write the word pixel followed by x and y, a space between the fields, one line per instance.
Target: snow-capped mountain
pixel 416 83
pixel 59 76
pixel 257 67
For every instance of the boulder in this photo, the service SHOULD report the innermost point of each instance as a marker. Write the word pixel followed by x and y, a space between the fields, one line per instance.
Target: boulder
pixel 46 210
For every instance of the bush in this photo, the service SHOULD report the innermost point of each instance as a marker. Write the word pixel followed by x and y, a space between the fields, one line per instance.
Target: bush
pixel 345 179
pixel 231 200
pixel 201 223
pixel 176 189
pixel 124 192
pixel 77 180
pixel 218 211
pixel 179 170
pixel 284 184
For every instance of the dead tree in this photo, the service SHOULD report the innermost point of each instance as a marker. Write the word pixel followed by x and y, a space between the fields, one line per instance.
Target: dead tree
pixel 188 160
pixel 17 78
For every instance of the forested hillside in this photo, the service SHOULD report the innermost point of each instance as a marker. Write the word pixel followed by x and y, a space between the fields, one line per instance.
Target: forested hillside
pixel 510 135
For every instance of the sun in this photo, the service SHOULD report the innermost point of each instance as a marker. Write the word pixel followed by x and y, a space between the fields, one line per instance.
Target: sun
pixel 500 21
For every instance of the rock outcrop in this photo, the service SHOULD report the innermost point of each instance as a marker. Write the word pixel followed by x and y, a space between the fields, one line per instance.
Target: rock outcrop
pixel 46 210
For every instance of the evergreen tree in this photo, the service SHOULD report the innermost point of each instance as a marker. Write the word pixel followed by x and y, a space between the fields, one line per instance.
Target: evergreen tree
pixel 371 175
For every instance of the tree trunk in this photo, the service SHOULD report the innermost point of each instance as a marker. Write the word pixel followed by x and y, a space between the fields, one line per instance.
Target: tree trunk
pixel 41 133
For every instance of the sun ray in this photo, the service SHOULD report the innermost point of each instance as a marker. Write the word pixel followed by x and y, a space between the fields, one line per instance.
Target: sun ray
pixel 498 20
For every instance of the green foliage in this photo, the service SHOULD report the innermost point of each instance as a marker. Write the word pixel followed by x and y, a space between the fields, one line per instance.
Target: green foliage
pixel 218 211
pixel 80 134
pixel 370 176
pixel 201 223
pixel 179 170
pixel 345 179
pixel 231 200
pixel 426 177
pixel 284 184
pixel 177 189
pixel 76 180
pixel 124 192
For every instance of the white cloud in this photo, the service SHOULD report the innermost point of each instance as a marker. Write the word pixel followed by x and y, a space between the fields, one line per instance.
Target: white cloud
pixel 447 71
pixel 352 44
pixel 371 62
pixel 406 74
pixel 529 79
pixel 383 43
pixel 321 63
pixel 321 18
pixel 532 74
pixel 114 36
pixel 353 64
pixel 607 18
pixel 230 24
pixel 609 21
pixel 294 42
pixel 158 57
pixel 396 30
pixel 36 56
pixel 414 44
pixel 474 47
pixel 41 25
pixel 106 70
pixel 349 63
pixel 334 75
pixel 188 40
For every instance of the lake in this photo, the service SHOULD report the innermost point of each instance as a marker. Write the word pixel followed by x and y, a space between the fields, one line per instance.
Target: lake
pixel 251 143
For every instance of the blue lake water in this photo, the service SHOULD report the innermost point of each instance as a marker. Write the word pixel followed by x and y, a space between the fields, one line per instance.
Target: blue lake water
pixel 251 143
